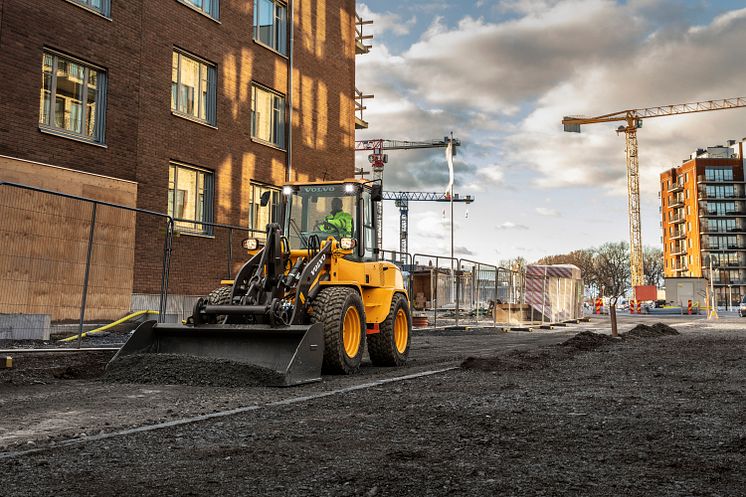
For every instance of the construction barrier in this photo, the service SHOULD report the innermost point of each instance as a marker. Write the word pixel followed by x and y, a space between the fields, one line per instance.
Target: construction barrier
pixel 599 304
pixel 639 307
pixel 631 306
pixel 689 307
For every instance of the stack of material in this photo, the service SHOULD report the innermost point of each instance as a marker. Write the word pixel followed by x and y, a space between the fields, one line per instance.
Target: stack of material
pixel 554 291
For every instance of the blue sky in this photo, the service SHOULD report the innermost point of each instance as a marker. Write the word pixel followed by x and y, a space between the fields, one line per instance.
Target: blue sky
pixel 501 74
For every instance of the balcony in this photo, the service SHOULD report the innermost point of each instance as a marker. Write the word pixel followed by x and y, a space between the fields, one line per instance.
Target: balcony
pixel 361 47
pixel 701 180
pixel 728 213
pixel 676 187
pixel 360 98
pixel 680 235
pixel 678 220
pixel 677 204
pixel 678 268
pixel 679 251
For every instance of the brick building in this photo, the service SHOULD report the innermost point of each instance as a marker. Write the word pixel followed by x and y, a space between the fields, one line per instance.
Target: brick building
pixel 194 106
pixel 703 207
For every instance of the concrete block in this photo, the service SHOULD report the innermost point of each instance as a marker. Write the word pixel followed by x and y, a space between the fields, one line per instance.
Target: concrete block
pixel 25 326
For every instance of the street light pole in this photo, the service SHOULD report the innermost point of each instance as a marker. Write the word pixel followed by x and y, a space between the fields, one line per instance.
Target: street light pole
pixel 730 297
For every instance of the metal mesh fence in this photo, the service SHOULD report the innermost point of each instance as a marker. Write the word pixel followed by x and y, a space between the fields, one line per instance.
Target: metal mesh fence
pixel 68 263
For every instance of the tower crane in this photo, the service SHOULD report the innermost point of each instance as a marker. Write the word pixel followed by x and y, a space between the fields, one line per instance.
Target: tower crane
pixel 378 159
pixel 632 119
pixel 402 200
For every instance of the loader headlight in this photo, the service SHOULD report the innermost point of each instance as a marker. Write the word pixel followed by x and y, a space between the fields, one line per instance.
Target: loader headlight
pixel 349 188
pixel 250 243
pixel 287 190
pixel 347 243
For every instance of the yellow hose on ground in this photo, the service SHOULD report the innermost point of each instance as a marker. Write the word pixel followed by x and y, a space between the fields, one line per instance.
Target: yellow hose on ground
pixel 110 325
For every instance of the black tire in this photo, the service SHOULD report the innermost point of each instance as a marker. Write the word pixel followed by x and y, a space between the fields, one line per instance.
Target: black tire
pixel 382 347
pixel 331 307
pixel 220 296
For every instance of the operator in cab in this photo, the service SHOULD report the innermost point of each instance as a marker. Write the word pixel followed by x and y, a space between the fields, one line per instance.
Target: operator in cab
pixel 338 223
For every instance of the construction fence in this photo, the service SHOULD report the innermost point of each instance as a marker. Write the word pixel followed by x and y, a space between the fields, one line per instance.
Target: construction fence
pixel 70 264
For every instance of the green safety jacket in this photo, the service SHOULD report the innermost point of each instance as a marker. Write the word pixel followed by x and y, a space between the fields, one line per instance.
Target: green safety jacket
pixel 339 224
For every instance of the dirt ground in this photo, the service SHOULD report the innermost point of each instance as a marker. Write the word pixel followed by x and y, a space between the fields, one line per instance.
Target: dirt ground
pixel 655 415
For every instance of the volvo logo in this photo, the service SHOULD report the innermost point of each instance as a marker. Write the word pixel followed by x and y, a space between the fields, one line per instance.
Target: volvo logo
pixel 318 265
pixel 318 189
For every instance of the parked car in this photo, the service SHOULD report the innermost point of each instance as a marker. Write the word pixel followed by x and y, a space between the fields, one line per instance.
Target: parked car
pixel 742 307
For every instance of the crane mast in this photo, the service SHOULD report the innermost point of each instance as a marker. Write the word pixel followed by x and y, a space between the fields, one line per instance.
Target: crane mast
pixel 633 119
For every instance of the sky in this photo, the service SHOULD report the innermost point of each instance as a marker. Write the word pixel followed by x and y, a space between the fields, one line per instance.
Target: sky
pixel 501 74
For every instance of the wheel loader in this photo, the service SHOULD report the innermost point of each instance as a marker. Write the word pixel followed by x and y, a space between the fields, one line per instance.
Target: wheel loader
pixel 310 296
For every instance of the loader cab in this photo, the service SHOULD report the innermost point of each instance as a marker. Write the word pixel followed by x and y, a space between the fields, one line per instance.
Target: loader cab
pixel 312 211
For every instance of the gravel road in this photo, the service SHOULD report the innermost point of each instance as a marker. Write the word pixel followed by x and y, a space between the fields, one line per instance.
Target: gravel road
pixel 654 416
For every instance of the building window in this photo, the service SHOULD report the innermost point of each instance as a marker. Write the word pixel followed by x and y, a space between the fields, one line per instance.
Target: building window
pixel 101 6
pixel 210 8
pixel 259 215
pixel 270 24
pixel 193 88
pixel 72 98
pixel 718 174
pixel 268 116
pixel 190 194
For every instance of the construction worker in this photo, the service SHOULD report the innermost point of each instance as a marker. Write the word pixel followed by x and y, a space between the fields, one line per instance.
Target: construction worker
pixel 338 222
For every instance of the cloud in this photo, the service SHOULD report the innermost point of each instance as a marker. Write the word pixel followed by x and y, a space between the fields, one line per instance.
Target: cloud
pixel 385 22
pixel 545 211
pixel 509 225
pixel 523 74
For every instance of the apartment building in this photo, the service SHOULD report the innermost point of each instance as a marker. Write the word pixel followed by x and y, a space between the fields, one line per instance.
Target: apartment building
pixel 190 107
pixel 703 208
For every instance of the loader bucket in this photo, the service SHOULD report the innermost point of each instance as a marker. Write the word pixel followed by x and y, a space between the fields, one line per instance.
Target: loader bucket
pixel 295 353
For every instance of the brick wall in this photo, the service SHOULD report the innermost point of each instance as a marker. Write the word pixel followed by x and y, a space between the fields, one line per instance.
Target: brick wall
pixel 142 134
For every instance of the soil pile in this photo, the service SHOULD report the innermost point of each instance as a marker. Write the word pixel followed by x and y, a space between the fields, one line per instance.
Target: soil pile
pixel 587 340
pixel 174 369
pixel 43 368
pixel 645 331
pixel 540 358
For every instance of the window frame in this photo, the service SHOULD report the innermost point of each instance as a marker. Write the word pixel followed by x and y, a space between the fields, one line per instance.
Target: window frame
pixel 282 143
pixel 99 134
pixel 211 118
pixel 208 207
pixel 274 46
pixel 214 6
pixel 104 11
pixel 256 189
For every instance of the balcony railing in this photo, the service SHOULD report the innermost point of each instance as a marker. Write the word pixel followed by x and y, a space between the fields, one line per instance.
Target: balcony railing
pixel 678 220
pixel 360 37
pixel 676 187
pixel 678 235
pixel 679 251
pixel 360 98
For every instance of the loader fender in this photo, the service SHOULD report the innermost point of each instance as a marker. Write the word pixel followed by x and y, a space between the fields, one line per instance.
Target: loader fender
pixel 377 303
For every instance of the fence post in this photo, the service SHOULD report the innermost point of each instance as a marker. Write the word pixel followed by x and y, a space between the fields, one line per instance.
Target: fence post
pixel 230 253
pixel 435 300
pixel 458 281
pixel 87 272
pixel 167 249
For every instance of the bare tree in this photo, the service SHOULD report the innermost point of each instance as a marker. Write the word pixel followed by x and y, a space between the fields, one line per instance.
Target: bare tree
pixel 652 261
pixel 612 269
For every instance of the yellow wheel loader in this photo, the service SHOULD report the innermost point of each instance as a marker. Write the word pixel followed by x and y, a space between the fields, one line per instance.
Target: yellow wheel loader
pixel 310 296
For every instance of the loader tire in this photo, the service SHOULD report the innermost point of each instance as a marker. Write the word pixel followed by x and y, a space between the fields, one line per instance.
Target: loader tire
pixel 341 311
pixel 220 296
pixel 390 347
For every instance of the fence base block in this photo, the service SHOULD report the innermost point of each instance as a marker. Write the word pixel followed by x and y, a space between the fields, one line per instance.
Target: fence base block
pixel 25 326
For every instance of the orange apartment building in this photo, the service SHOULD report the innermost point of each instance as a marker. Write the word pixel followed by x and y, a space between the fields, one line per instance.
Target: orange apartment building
pixel 703 209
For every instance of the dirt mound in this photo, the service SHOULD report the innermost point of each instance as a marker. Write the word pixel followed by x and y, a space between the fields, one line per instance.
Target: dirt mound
pixel 517 360
pixel 645 331
pixel 173 369
pixel 587 340
pixel 42 368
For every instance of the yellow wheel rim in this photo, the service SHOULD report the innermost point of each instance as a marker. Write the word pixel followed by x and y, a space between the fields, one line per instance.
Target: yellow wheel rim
pixel 351 332
pixel 401 331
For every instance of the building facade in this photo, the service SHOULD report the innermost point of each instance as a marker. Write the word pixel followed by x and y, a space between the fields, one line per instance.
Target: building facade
pixel 201 104
pixel 703 208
